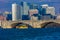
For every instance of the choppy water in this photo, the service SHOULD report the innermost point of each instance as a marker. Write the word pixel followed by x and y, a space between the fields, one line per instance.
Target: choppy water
pixel 30 34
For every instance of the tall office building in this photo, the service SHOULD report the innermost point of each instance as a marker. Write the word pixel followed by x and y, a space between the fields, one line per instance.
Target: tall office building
pixel 50 10
pixel 25 8
pixel 16 12
pixel 25 13
pixel 34 6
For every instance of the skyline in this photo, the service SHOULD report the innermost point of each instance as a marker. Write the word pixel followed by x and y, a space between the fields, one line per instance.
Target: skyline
pixel 6 4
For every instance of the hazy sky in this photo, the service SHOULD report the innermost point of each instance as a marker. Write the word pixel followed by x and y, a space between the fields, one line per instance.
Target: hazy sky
pixel 5 5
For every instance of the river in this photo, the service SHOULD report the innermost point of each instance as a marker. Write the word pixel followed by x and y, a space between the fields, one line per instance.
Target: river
pixel 30 34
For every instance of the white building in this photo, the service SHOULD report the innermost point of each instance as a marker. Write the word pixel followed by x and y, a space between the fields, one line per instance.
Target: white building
pixel 50 10
pixel 44 6
pixel 16 12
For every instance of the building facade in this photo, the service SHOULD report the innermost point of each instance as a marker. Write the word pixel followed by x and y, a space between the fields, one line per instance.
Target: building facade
pixel 25 8
pixel 16 12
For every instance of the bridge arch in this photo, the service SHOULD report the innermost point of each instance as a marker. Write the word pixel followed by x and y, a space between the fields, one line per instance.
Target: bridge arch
pixel 21 25
pixel 50 25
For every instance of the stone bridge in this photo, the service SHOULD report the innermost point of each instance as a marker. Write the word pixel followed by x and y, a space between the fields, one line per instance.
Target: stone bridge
pixel 34 24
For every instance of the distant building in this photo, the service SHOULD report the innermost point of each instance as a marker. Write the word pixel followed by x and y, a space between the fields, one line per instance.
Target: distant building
pixel 33 6
pixel 45 17
pixel 33 11
pixel 9 17
pixel 44 5
pixel 42 9
pixel 25 8
pixel 5 13
pixel 25 17
pixel 34 18
pixel 16 12
pixel 50 10
pixel 2 18
pixel 45 9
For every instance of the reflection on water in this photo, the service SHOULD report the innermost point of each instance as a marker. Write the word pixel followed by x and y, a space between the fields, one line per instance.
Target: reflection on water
pixel 30 34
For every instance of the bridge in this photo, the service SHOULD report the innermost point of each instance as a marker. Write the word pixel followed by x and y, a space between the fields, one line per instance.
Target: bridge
pixel 33 24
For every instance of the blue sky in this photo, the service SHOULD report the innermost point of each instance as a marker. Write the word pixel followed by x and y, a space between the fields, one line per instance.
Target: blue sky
pixel 5 5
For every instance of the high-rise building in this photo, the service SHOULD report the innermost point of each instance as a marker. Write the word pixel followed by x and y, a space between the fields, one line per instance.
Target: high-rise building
pixel 25 8
pixel 25 11
pixel 16 12
pixel 34 6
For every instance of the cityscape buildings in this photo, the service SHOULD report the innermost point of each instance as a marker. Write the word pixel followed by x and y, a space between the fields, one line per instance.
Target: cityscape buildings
pixel 26 11
pixel 33 13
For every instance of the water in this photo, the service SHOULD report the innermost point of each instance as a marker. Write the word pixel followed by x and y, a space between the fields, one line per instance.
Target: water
pixel 30 34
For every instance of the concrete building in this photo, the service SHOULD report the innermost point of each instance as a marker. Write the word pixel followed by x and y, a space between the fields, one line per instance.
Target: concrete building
pixel 50 10
pixel 16 12
pixel 33 11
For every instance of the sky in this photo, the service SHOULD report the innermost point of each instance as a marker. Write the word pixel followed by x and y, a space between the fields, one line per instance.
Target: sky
pixel 5 5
